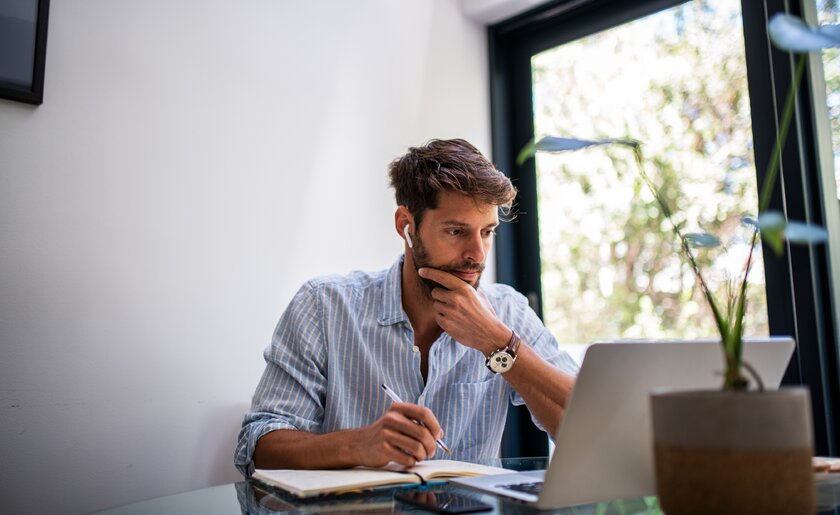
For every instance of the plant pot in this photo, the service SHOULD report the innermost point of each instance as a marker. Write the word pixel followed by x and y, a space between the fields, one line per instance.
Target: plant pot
pixel 733 452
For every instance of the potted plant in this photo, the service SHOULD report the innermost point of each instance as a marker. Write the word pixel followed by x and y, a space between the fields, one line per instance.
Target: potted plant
pixel 733 450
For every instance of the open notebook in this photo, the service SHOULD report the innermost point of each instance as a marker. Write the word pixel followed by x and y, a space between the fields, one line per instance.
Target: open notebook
pixel 604 447
pixel 309 483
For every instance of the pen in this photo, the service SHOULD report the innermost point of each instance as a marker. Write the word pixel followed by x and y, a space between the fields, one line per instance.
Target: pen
pixel 396 398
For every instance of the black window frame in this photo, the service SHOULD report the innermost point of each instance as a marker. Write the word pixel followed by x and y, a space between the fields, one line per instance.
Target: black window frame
pixel 798 283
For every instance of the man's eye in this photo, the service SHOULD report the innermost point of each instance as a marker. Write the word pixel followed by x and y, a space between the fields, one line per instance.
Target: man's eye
pixel 455 232
pixel 489 234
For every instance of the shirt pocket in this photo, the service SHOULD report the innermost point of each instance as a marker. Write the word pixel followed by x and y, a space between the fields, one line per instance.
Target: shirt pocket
pixel 479 409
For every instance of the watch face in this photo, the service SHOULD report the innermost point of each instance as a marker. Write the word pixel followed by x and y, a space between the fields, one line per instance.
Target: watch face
pixel 500 362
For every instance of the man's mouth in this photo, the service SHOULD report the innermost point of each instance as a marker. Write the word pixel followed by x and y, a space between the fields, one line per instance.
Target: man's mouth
pixel 467 275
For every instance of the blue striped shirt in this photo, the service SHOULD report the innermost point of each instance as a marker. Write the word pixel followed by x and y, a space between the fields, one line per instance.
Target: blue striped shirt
pixel 340 338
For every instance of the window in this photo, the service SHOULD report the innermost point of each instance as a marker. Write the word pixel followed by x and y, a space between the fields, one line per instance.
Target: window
pixel 713 147
pixel 675 80
pixel 828 12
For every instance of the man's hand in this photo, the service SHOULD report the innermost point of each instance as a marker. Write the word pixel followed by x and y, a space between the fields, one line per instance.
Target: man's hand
pixel 465 313
pixel 398 437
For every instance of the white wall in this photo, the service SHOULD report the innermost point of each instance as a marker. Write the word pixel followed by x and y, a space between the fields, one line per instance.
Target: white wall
pixel 193 163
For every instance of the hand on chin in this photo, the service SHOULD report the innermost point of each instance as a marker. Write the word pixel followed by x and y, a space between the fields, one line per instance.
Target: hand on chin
pixel 463 312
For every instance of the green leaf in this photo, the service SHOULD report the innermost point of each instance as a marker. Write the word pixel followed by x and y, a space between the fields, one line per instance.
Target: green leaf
pixel 772 226
pixel 791 33
pixel 776 240
pixel 775 230
pixel 805 233
pixel 557 144
pixel 734 341
pixel 702 240
pixel 526 153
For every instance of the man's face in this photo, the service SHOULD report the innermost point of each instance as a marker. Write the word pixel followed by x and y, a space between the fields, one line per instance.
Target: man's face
pixel 456 238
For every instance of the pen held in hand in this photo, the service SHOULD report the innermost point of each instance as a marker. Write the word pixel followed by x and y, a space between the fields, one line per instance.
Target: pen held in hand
pixel 396 398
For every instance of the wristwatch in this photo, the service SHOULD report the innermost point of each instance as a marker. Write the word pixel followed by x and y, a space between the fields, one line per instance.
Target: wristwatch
pixel 501 360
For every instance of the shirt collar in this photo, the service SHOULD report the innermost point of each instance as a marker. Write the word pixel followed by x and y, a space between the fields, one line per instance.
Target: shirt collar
pixel 392 307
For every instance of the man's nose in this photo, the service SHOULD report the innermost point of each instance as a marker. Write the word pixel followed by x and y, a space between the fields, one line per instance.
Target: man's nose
pixel 475 251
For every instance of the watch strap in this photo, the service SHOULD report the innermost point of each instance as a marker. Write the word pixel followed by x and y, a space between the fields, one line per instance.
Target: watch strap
pixel 513 344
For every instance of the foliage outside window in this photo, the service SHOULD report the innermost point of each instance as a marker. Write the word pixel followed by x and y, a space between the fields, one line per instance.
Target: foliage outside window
pixel 828 12
pixel 675 81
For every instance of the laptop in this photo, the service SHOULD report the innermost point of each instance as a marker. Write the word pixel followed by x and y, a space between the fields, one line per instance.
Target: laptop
pixel 604 446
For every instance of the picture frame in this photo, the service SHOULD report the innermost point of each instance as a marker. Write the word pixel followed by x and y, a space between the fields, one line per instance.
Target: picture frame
pixel 23 49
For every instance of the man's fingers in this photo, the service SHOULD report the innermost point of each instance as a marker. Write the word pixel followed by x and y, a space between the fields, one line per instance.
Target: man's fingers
pixel 422 415
pixel 410 429
pixel 404 431
pixel 441 294
pixel 397 455
pixel 445 279
pixel 415 448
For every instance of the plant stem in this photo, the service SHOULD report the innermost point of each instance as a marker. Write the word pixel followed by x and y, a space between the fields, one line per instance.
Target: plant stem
pixel 784 125
pixel 721 321
pixel 730 324
pixel 733 344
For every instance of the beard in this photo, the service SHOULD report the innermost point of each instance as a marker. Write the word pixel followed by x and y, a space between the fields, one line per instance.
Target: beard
pixel 422 259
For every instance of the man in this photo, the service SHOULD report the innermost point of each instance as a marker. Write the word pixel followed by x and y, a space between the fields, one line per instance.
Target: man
pixel 456 351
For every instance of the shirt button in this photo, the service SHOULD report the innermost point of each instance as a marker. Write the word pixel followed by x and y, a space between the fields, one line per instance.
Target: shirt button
pixel 416 349
pixel 421 399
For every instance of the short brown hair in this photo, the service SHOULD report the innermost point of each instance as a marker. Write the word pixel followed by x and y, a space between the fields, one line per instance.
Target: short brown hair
pixel 448 165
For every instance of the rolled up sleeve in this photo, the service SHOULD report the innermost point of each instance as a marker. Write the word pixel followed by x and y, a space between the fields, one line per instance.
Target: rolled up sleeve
pixel 290 394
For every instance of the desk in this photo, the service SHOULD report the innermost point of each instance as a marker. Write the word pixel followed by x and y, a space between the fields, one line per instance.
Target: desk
pixel 246 498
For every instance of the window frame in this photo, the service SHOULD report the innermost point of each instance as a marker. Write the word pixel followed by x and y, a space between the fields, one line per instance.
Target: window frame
pixel 799 293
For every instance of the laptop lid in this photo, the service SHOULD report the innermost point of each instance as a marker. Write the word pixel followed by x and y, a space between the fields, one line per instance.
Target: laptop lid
pixel 604 447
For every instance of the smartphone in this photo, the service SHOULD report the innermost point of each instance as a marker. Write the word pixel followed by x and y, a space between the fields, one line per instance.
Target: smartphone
pixel 443 502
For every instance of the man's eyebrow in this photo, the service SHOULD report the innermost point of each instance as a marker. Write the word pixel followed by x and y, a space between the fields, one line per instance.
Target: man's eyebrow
pixel 456 223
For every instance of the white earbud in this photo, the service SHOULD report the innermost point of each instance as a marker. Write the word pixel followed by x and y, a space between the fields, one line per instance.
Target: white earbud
pixel 407 237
